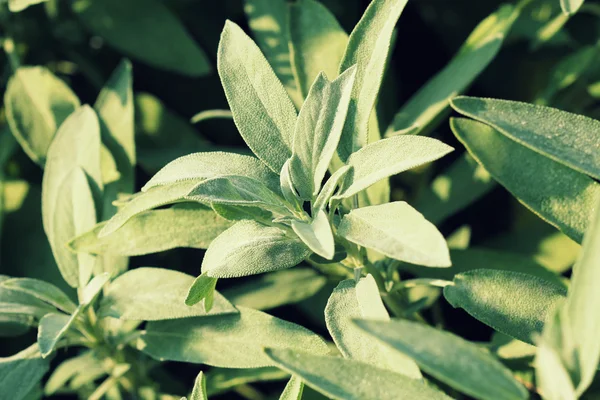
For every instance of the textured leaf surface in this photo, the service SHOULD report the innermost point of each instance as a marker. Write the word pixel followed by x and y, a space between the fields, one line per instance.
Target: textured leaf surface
pixel 21 372
pixel 41 290
pixel 52 328
pixel 558 194
pixel 151 294
pixel 337 377
pixel 449 358
pixel 231 341
pixel 317 235
pixel 199 390
pixel 293 390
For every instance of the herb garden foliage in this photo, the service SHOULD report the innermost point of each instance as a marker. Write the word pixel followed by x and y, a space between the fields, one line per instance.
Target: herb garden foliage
pixel 313 207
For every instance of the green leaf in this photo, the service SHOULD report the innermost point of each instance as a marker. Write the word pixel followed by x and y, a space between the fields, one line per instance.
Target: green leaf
pixel 276 289
pixel 250 248
pixel 152 198
pixel 318 131
pixel 335 181
pixel 570 6
pixel 230 341
pixel 268 20
pixel 93 288
pixel 551 375
pixel 287 187
pixel 293 390
pixel 212 165
pixel 449 358
pixel 318 42
pixel 346 379
pixel 21 372
pixel 368 48
pixel 37 103
pixel 151 294
pixel 461 184
pixel 203 288
pixel 68 370
pixel 398 231
pixel 429 104
pixel 52 328
pixel 262 109
pixel 317 235
pixel 20 5
pixel 19 310
pixel 199 390
pixel 237 190
pixel 388 157
pixel 352 299
pixel 41 290
pixel 159 39
pixel 219 380
pixel 558 194
pixel 155 231
pixel 564 137
pixel 522 316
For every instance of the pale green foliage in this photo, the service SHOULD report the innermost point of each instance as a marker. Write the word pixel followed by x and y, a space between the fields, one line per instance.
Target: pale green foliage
pixel 170 47
pixel 199 391
pixel 41 290
pixel 52 328
pixel 152 294
pixel 449 358
pixel 522 316
pixel 20 5
pixel 317 235
pixel 346 379
pixel 37 103
pixel 220 380
pixel 382 228
pixel 20 373
pixel 352 299
pixel 561 195
pixel 230 340
pixel 571 6
pixel 293 390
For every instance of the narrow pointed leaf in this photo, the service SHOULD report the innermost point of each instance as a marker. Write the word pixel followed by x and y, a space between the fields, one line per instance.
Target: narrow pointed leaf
pixel 317 235
pixel 521 317
pixel 250 248
pixel 334 182
pixel 293 390
pixel 287 187
pixel 337 377
pixel 318 131
pixel 93 288
pixel 388 157
pixel 41 290
pixel 449 358
pixel 231 340
pixel 37 103
pixel 199 390
pixel 558 194
pixel 567 138
pixel 352 299
pixel 262 109
pixel 368 48
pixel 398 231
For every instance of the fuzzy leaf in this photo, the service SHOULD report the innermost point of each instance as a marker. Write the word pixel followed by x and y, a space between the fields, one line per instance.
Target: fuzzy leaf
pixel 334 182
pixel 159 39
pixel 558 194
pixel 522 316
pixel 231 340
pixel 262 109
pixel 352 299
pixel 388 157
pixel 203 288
pixel 318 42
pixel 449 358
pixel 199 390
pixel 368 48
pixel 569 139
pixel 52 328
pixel 250 248
pixel 398 231
pixel 155 231
pixel 151 294
pixel 41 290
pixel 318 131
pixel 37 103
pixel 317 235
pixel 293 390
pixel 21 372
pixel 338 377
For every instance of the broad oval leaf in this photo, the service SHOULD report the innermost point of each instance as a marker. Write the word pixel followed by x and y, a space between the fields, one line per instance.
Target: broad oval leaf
pixel 53 327
pixel 388 157
pixel 41 290
pixel 37 103
pixel 262 109
pixel 151 294
pixel 250 248
pixel 231 340
pixel 159 39
pixel 513 303
pixel 317 235
pixel 398 231
pixel 449 358
pixel 155 231
pixel 345 379
pixel 368 48
pixel 567 138
pixel 558 194
pixel 211 165
pixel 352 299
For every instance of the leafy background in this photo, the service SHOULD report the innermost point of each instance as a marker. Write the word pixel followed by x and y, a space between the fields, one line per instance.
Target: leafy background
pixel 56 34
